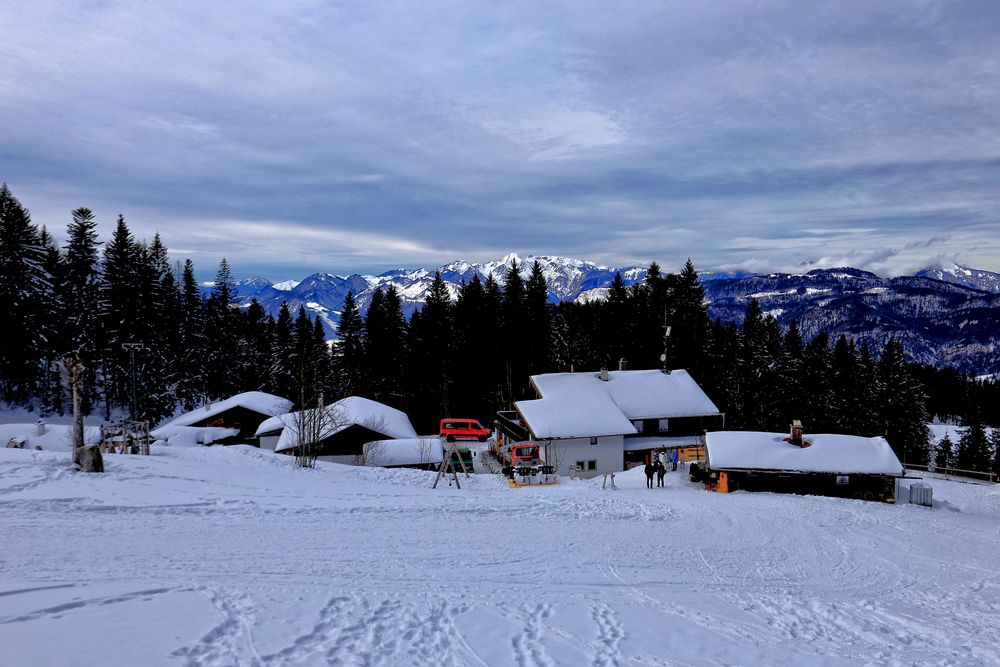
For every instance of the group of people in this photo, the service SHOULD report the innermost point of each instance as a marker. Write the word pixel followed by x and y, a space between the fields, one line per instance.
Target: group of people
pixel 657 465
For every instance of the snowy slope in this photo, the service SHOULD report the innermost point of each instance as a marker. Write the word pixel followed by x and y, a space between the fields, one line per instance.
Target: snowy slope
pixel 230 556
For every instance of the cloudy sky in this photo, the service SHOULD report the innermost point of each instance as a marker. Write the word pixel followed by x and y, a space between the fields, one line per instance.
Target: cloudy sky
pixel 299 136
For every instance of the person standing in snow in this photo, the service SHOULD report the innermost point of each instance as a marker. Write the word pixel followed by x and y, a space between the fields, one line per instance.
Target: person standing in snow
pixel 661 470
pixel 661 457
pixel 676 457
pixel 649 470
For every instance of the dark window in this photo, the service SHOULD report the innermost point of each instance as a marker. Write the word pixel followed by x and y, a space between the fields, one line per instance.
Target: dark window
pixel 591 465
pixel 593 440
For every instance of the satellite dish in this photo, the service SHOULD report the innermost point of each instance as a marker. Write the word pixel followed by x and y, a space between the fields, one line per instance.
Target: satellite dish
pixel 663 357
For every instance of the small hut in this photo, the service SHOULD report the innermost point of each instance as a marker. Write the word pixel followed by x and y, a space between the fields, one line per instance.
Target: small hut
pixel 845 466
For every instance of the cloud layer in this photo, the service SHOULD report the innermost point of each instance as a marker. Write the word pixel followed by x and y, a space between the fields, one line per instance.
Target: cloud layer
pixel 301 136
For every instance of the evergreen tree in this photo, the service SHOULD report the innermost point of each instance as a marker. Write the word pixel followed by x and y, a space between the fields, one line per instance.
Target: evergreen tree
pixel 157 328
pixel 120 315
pixel 190 362
pixel 514 380
pixel 945 450
pixel 348 353
pixel 385 347
pixel 282 378
pixel 222 333
pixel 903 407
pixel 817 361
pixel 538 326
pixel 974 446
pixel 430 382
pixel 23 283
pixel 50 330
pixel 79 296
pixel 689 321
pixel 255 348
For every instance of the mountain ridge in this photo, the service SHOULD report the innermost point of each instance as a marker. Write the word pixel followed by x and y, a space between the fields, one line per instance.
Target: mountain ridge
pixel 945 315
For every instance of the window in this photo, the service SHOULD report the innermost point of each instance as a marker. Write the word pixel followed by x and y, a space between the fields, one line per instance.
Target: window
pixel 593 440
pixel 638 425
pixel 591 465
pixel 580 465
pixel 664 425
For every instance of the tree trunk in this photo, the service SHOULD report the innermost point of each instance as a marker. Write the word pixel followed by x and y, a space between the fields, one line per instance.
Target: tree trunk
pixel 75 375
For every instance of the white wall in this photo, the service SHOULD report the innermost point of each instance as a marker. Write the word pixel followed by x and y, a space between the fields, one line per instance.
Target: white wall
pixel 608 454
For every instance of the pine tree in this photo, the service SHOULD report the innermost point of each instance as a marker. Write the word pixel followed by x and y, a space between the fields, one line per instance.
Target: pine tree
pixel 23 283
pixel 190 362
pixel 903 407
pixel 429 382
pixel 282 379
pixel 348 353
pixel 974 446
pixel 50 330
pixel 120 314
pixel 817 361
pixel 689 321
pixel 222 333
pixel 81 337
pixel 945 450
pixel 538 331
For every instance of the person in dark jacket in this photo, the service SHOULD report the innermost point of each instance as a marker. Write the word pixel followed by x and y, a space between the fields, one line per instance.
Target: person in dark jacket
pixel 649 470
pixel 661 471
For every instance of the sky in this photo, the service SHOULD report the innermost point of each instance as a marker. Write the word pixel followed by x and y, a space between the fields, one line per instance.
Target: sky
pixel 306 136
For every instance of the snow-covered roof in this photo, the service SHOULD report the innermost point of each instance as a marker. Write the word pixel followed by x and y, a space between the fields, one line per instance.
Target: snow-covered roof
pixel 404 452
pixel 577 405
pixel 347 412
pixel 839 454
pixel 256 401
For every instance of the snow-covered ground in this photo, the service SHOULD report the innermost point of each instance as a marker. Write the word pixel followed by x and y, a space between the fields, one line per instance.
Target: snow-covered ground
pixel 230 556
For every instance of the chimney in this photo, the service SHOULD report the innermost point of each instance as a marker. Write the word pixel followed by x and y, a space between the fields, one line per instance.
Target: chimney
pixel 795 437
pixel 622 364
pixel 40 427
pixel 604 375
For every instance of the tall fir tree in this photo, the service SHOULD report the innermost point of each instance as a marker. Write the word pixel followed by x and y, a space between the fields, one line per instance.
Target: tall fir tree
pixel 190 362
pixel 23 284
pixel 903 410
pixel 974 446
pixel 348 352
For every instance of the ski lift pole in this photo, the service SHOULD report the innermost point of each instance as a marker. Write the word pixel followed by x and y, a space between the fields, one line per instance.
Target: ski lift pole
pixel 132 347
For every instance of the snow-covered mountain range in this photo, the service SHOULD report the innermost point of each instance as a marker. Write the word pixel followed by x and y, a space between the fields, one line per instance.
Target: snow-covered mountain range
pixel 945 314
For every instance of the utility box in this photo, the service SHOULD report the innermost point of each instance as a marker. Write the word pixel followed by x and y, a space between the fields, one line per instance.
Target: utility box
pixel 921 494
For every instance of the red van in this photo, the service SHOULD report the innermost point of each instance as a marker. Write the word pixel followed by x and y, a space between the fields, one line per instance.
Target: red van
pixel 463 429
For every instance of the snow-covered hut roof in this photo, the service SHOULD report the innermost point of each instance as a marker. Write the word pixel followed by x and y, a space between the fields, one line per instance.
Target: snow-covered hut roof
pixel 577 405
pixel 404 452
pixel 839 454
pixel 347 412
pixel 255 401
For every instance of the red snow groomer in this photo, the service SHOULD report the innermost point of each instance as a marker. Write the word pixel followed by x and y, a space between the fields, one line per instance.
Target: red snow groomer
pixel 523 465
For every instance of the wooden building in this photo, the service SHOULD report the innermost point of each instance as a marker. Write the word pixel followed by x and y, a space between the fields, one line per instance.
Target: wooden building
pixel 844 466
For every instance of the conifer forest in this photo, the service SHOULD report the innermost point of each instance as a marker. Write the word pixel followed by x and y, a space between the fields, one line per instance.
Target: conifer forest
pixel 79 302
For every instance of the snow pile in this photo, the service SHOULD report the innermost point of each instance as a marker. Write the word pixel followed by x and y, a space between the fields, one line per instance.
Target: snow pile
pixel 840 454
pixel 190 436
pixel 56 437
pixel 404 452
pixel 582 404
